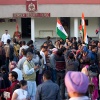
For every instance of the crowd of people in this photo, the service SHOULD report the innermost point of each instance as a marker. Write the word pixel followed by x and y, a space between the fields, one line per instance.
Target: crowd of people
pixel 30 74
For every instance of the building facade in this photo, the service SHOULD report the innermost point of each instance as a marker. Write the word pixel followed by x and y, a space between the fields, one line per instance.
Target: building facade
pixel 42 22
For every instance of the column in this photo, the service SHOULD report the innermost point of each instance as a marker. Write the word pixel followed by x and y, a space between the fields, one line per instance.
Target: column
pixel 76 28
pixel 99 29
pixel 33 29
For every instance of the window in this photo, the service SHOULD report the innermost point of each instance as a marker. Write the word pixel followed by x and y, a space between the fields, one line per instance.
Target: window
pixel 11 20
pixel 2 20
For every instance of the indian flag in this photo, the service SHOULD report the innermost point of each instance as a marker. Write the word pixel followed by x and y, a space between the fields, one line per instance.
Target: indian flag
pixel 85 39
pixel 60 30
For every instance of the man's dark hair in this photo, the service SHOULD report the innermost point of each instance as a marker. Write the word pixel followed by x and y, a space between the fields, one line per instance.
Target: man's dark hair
pixel 38 53
pixel 71 55
pixel 93 46
pixel 20 43
pixel 87 61
pixel 14 40
pixel 23 82
pixel 24 51
pixel 18 85
pixel 89 45
pixel 74 38
pixel 48 37
pixel 45 43
pixel 63 49
pixel 45 47
pixel 59 52
pixel 42 46
pixel 23 42
pixel 30 42
pixel 8 41
pixel 14 74
pixel 51 46
pixel 47 74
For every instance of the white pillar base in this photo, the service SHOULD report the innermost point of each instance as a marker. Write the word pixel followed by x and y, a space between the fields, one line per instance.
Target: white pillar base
pixel 76 28
pixel 32 29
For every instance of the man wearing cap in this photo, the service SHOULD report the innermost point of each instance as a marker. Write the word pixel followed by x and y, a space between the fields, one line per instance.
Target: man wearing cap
pixel 77 85
pixel 5 37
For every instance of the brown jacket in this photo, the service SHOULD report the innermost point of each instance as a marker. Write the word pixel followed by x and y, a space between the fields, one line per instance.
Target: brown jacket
pixel 7 50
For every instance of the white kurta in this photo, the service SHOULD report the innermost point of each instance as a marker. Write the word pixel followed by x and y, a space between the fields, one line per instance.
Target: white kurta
pixel 5 37
pixel 19 72
pixel 80 98
pixel 21 62
pixel 43 56
pixel 22 94
pixel 31 84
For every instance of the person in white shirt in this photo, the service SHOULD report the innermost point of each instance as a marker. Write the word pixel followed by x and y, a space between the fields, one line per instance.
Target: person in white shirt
pixel 43 48
pixel 22 60
pixel 13 67
pixel 24 46
pixel 5 37
pixel 21 93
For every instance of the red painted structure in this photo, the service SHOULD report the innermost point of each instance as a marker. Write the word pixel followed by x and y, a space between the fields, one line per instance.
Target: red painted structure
pixel 23 2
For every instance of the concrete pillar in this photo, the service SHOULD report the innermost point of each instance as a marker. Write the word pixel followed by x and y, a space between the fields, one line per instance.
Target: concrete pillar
pixel 99 29
pixel 76 28
pixel 33 29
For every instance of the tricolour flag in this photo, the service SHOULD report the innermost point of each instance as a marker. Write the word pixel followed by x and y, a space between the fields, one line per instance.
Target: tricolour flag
pixel 60 30
pixel 85 39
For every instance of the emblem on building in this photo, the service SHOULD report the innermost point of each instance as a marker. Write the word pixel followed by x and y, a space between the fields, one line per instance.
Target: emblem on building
pixel 31 5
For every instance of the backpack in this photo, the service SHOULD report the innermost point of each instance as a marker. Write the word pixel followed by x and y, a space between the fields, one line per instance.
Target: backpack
pixel 11 53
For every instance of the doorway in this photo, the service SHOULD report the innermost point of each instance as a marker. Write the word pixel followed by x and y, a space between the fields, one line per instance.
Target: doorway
pixel 66 24
pixel 26 27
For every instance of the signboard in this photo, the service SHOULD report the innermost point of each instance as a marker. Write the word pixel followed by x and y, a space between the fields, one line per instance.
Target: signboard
pixel 31 5
pixel 28 15
pixel 69 1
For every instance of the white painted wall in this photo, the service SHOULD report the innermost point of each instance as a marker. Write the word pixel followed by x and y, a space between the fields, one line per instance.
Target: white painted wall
pixel 49 24
pixel 71 27
pixel 55 10
pixel 10 26
pixel 93 24
pixel 45 27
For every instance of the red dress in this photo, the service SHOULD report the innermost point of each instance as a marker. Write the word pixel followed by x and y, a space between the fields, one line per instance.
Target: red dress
pixel 10 89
